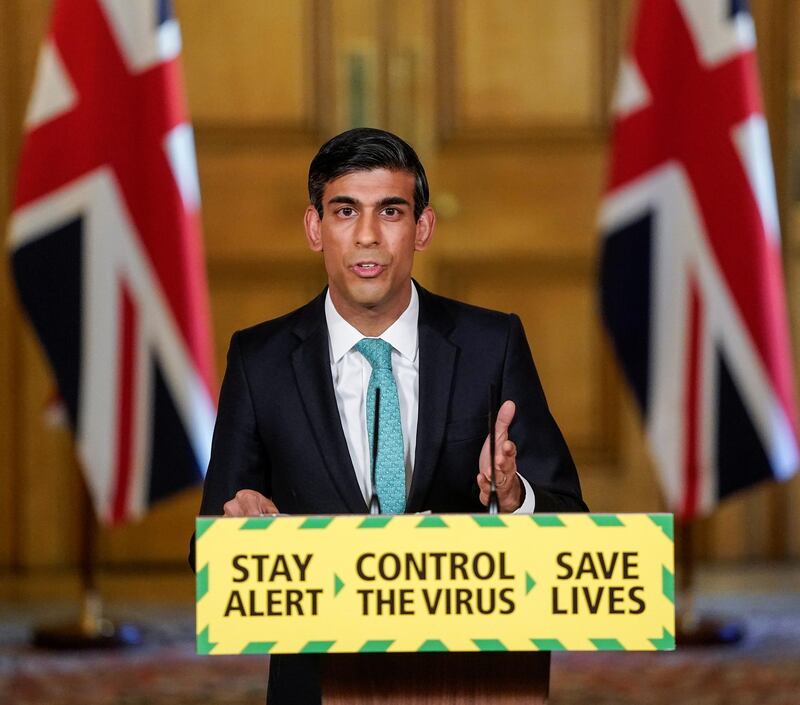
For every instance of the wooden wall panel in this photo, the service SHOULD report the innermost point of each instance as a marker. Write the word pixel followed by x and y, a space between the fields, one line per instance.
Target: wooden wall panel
pixel 254 200
pixel 245 294
pixel 48 484
pixel 248 61
pixel 525 64
pixel 527 199
pixel 554 298
pixel 39 486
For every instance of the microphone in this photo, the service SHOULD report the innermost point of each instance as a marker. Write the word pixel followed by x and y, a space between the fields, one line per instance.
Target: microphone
pixel 374 502
pixel 493 504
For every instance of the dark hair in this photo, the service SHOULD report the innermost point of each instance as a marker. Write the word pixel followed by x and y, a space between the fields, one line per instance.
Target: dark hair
pixel 365 149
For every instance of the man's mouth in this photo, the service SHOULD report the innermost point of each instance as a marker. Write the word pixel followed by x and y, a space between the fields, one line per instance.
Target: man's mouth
pixel 367 270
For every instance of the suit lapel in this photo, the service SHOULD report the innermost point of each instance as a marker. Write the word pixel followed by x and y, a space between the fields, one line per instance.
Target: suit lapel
pixel 436 367
pixel 311 363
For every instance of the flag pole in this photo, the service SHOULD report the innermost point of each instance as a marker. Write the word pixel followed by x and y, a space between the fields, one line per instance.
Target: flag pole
pixel 692 628
pixel 91 630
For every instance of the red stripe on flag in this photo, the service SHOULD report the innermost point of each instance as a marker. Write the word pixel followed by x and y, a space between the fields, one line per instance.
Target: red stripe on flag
pixel 125 397
pixel 692 416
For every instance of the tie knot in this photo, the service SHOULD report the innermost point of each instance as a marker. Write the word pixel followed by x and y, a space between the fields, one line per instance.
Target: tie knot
pixel 378 352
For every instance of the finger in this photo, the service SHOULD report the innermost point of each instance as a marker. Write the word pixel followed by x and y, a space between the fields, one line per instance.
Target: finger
pixel 505 416
pixel 483 458
pixel 506 455
pixel 250 502
pixel 266 506
pixel 231 508
pixel 504 481
pixel 506 459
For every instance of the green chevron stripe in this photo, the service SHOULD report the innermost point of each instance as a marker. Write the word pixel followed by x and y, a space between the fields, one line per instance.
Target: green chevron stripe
pixel 606 520
pixel 201 525
pixel 668 584
pixel 530 583
pixel 666 642
pixel 256 523
pixel 317 647
pixel 338 584
pixel 204 646
pixel 258 647
pixel 432 522
pixel 665 523
pixel 488 520
pixel 376 522
pixel 201 583
pixel 490 645
pixel 548 645
pixel 432 645
pixel 376 646
pixel 316 523
pixel 607 645
pixel 546 520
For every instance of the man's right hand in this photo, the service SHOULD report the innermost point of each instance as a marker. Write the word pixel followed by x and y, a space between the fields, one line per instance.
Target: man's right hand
pixel 249 503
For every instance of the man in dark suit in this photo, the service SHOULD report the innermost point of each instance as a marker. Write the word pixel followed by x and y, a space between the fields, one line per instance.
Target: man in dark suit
pixel 295 422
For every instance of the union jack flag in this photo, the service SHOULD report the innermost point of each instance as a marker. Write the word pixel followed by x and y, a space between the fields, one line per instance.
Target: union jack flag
pixel 107 254
pixel 691 281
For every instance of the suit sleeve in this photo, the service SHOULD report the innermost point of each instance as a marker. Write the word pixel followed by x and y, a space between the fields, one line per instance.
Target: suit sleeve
pixel 543 458
pixel 239 459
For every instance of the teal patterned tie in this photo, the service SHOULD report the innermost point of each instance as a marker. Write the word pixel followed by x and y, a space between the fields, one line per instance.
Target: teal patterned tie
pixel 390 468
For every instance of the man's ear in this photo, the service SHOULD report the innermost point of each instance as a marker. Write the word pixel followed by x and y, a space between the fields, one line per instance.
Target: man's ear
pixel 313 223
pixel 425 226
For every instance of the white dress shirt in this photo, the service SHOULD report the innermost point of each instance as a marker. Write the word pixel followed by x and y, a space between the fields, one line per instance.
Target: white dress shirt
pixel 351 371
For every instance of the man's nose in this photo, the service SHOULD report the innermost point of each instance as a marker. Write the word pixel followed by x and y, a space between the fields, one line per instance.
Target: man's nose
pixel 367 233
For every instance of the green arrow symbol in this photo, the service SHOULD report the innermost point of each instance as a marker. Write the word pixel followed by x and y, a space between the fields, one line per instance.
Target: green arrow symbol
pixel 530 583
pixel 337 584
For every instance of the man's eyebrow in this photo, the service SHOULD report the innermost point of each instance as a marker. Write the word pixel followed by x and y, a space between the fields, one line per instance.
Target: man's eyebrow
pixel 387 201
pixel 393 201
pixel 344 199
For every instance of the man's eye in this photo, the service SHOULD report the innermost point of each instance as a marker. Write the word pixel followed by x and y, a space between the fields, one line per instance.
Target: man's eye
pixel 346 211
pixel 390 211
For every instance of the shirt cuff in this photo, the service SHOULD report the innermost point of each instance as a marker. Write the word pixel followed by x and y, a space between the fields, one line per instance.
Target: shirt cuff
pixel 529 502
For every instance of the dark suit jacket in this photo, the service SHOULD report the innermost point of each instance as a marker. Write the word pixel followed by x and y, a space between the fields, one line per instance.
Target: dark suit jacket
pixel 278 429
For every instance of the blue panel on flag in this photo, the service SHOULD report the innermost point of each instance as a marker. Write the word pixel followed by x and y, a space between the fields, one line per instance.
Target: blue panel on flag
pixel 48 274
pixel 625 291
pixel 737 7
pixel 165 11
pixel 741 457
pixel 173 466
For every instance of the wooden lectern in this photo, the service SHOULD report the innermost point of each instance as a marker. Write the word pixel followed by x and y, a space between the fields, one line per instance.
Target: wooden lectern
pixel 436 679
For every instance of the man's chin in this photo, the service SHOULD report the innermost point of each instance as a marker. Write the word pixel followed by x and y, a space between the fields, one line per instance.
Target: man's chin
pixel 368 294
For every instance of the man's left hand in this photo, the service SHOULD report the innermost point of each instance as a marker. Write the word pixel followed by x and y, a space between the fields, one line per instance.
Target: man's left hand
pixel 507 482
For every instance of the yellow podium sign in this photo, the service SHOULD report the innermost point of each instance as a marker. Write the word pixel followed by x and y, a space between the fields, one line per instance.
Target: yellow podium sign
pixel 454 582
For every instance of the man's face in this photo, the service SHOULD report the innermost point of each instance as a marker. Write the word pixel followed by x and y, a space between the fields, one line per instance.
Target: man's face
pixel 368 238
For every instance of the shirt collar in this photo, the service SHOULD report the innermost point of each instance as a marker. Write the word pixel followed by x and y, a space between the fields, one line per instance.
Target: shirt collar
pixel 402 335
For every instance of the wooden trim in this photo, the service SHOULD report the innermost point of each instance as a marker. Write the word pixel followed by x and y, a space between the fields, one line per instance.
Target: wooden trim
pixel 386 25
pixel 446 71
pixel 220 136
pixel 229 273
pixel 537 135
pixel 780 49
pixel 323 68
pixel 612 46
pixel 13 109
